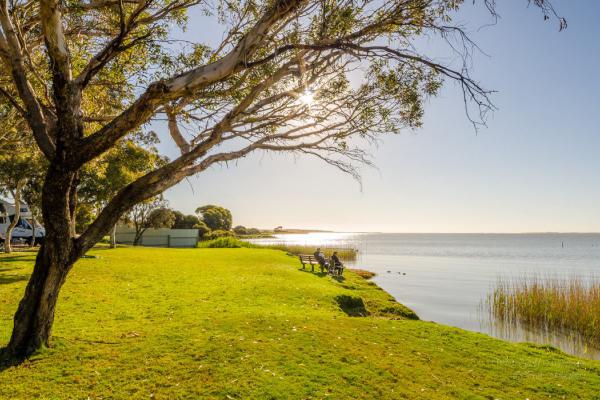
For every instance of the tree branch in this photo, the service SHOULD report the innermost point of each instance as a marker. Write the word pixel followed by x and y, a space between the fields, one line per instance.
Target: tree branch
pixel 15 62
pixel 184 84
pixel 114 46
pixel 14 102
pixel 56 43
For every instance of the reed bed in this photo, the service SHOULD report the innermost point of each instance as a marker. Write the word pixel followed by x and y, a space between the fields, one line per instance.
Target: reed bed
pixel 344 253
pixel 565 305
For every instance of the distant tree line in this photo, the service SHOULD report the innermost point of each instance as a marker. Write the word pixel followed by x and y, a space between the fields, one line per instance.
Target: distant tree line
pixel 211 221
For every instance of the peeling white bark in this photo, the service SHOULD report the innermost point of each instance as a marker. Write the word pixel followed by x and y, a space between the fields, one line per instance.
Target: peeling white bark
pixel 9 230
pixel 55 37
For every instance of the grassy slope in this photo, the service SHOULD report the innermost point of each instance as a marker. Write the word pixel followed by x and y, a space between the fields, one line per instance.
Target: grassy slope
pixel 245 323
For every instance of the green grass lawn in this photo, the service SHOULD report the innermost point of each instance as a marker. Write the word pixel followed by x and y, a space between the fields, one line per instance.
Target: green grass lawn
pixel 138 323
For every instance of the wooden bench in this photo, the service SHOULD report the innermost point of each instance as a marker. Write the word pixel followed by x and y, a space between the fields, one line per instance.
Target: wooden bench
pixel 310 260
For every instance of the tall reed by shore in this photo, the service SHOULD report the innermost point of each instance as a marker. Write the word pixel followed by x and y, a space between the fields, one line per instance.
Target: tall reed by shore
pixel 563 305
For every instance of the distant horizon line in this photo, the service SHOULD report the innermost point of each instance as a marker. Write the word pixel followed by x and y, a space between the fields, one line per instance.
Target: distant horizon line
pixel 306 231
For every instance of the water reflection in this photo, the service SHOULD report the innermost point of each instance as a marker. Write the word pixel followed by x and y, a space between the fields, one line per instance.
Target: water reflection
pixel 517 332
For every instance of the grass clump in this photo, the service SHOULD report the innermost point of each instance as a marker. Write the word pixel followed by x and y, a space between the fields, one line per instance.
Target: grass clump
pixel 563 305
pixel 351 305
pixel 363 273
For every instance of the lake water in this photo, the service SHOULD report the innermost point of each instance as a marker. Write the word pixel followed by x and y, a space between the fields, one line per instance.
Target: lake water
pixel 445 277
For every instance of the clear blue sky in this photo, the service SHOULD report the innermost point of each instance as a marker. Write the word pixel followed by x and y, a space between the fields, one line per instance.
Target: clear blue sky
pixel 535 168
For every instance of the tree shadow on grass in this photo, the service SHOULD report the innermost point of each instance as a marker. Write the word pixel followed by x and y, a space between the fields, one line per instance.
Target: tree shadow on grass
pixel 318 273
pixel 9 279
pixel 17 258
pixel 6 278
pixel 104 248
pixel 6 361
pixel 4 270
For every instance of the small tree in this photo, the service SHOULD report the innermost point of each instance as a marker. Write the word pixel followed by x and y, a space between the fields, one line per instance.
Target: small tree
pixel 240 230
pixel 184 221
pixel 148 215
pixel 215 217
pixel 161 218
pixel 101 180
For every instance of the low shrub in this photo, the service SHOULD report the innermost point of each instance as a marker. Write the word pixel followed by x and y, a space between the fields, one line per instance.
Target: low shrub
pixel 203 230
pixel 240 230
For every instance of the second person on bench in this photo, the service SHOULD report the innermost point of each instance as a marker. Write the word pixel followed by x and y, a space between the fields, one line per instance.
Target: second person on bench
pixel 336 264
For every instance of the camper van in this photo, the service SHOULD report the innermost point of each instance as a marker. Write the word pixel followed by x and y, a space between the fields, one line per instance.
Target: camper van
pixel 23 231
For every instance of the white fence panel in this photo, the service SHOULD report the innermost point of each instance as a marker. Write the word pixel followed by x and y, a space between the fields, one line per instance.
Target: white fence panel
pixel 159 237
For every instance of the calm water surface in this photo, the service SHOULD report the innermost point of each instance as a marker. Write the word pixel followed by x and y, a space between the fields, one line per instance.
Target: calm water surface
pixel 445 277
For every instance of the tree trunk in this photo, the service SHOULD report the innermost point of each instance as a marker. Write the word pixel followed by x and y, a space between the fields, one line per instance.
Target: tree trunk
pixel 113 237
pixel 35 315
pixel 15 220
pixel 8 235
pixel 33 223
pixel 139 233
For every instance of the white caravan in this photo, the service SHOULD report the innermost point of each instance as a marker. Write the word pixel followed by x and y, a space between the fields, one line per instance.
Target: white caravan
pixel 23 231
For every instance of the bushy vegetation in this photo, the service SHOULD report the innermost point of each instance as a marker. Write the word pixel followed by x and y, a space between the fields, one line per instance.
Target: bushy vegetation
pixel 183 221
pixel 240 230
pixel 219 233
pixel 564 305
pixel 247 233
pixel 215 217
pixel 203 230
pixel 145 323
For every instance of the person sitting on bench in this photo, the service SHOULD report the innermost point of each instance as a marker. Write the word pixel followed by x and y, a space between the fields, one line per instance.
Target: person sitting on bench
pixel 321 259
pixel 338 267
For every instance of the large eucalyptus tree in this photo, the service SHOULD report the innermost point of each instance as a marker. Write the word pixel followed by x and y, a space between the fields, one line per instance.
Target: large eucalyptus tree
pixel 314 77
